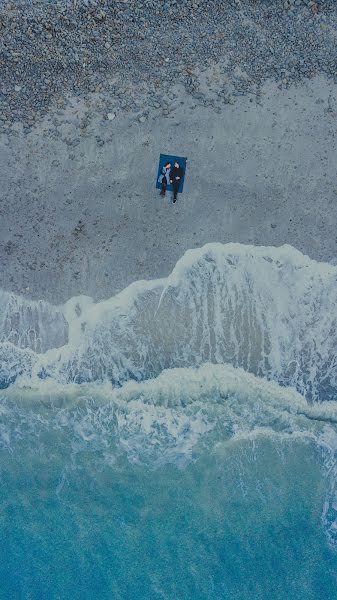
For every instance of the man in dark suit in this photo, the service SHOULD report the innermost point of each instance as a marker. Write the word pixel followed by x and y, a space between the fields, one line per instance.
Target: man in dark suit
pixel 176 175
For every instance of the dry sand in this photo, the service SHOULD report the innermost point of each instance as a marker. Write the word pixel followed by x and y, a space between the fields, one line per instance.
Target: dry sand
pixel 87 219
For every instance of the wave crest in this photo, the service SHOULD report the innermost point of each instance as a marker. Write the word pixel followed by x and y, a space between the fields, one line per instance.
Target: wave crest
pixel 271 311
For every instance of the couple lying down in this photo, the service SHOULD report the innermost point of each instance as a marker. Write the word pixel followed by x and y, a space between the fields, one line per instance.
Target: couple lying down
pixel 171 175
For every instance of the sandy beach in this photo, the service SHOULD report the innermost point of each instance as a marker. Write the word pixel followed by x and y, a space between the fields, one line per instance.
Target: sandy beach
pixel 87 219
pixel 92 92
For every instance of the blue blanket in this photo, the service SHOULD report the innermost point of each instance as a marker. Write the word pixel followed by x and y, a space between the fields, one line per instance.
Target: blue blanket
pixel 164 158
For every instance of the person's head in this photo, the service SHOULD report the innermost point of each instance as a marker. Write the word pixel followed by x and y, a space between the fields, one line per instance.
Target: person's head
pixel 176 164
pixel 167 165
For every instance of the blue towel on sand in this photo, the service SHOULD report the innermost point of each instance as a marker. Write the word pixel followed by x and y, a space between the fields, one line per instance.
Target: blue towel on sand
pixel 164 158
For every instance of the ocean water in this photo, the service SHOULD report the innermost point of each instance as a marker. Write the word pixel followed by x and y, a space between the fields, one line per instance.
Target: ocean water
pixel 177 441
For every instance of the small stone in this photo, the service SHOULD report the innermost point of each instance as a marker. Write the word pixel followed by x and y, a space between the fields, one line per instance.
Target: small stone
pixel 17 126
pixel 142 119
pixel 18 88
pixel 111 116
pixel 273 225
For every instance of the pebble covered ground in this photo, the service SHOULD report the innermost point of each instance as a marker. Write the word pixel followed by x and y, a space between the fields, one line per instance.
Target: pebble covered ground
pixel 132 52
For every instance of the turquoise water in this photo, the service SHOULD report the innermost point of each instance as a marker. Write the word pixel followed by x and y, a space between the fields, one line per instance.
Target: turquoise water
pixel 92 510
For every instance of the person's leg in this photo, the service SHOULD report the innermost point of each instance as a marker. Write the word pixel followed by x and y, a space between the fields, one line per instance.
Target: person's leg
pixel 163 187
pixel 175 191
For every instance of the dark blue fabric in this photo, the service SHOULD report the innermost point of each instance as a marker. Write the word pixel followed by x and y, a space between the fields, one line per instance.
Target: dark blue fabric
pixel 164 158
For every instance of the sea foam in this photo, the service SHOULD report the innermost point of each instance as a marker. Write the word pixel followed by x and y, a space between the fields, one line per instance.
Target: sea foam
pixel 271 311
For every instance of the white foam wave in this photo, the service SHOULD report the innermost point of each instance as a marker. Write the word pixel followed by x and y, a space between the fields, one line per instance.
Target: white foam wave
pixel 175 418
pixel 29 324
pixel 271 311
pixel 181 403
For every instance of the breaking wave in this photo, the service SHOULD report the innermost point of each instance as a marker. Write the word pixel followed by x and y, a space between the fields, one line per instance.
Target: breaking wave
pixel 270 311
pixel 169 416
pixel 177 418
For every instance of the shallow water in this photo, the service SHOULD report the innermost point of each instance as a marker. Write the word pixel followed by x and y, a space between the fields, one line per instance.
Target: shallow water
pixel 151 447
pixel 200 484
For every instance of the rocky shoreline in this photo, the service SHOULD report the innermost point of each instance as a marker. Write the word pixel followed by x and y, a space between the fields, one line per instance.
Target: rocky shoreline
pixel 132 52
